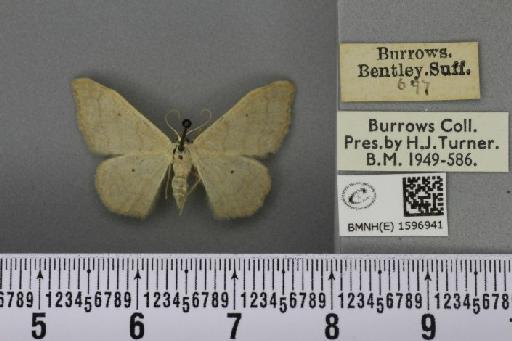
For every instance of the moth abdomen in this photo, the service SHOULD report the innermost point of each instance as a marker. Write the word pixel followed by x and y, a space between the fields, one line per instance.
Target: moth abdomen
pixel 179 190
pixel 182 165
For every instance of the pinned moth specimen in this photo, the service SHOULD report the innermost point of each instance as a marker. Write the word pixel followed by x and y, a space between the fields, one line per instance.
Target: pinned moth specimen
pixel 143 158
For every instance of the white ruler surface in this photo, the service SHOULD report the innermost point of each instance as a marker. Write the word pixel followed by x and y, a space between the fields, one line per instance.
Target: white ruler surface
pixel 63 297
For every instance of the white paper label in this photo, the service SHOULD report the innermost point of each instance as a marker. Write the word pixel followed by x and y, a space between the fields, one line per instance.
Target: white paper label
pixel 423 141
pixel 409 71
pixel 392 205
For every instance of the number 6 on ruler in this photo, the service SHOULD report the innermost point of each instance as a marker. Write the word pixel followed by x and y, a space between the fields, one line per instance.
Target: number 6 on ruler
pixel 136 326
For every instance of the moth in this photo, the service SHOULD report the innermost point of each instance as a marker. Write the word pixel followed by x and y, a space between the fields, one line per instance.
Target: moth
pixel 222 157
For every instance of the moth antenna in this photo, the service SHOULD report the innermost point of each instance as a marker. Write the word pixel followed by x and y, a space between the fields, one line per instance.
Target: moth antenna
pixel 169 125
pixel 202 125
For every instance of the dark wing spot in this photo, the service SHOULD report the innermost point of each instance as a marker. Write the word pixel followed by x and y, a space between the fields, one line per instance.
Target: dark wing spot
pixel 133 170
pixel 232 171
pixel 118 114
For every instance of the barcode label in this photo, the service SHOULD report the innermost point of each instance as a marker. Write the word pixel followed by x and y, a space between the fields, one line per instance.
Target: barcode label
pixel 423 196
pixel 392 205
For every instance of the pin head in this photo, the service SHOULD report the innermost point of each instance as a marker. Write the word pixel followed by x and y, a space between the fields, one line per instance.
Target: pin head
pixel 186 123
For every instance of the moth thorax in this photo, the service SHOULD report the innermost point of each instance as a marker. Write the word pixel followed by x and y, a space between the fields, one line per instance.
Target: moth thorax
pixel 182 164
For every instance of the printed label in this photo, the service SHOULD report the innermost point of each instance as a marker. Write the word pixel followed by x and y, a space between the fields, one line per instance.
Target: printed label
pixel 392 205
pixel 423 141
pixel 409 72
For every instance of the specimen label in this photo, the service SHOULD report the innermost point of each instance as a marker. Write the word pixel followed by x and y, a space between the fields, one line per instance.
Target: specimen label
pixel 409 71
pixel 423 141
pixel 392 205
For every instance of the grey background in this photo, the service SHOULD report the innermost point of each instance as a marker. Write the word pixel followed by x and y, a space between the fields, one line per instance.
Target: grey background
pixel 479 204
pixel 161 55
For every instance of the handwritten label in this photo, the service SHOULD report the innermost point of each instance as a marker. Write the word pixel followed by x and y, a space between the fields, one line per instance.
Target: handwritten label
pixel 423 141
pixel 409 72
pixel 392 205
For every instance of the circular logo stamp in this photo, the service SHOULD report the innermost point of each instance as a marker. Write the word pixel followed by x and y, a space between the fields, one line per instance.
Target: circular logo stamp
pixel 359 195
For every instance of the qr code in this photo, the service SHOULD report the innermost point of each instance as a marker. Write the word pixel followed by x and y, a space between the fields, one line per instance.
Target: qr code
pixel 423 196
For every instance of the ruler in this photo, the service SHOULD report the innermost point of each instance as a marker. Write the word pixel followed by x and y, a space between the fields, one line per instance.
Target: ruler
pixel 63 297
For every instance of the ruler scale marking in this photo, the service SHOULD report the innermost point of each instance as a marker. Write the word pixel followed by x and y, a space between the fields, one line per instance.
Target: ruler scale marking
pixel 433 292
pixel 20 278
pixel 10 274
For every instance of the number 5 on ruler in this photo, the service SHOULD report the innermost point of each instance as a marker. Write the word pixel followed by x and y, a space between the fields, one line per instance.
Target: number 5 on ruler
pixel 39 331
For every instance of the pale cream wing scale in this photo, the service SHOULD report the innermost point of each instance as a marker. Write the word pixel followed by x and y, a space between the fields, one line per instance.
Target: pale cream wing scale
pixel 110 125
pixel 130 184
pixel 236 185
pixel 255 126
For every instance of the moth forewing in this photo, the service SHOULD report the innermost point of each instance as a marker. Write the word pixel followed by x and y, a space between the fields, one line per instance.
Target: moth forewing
pixel 256 125
pixel 111 125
